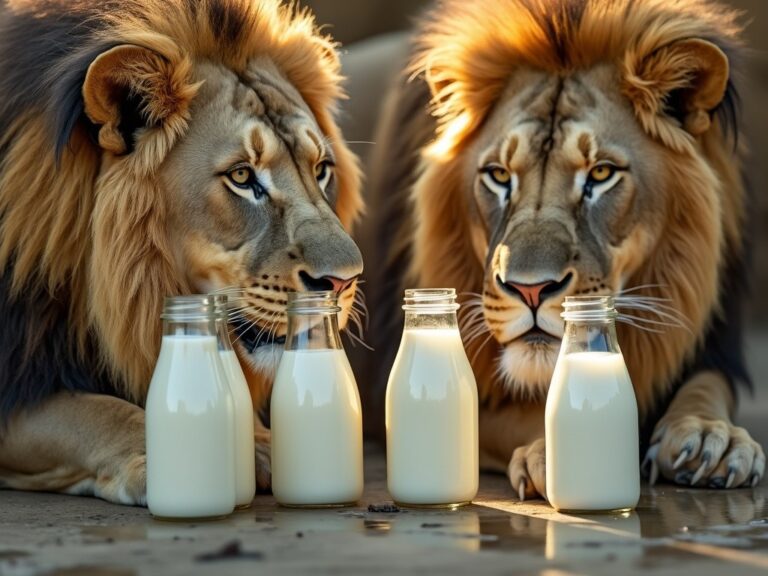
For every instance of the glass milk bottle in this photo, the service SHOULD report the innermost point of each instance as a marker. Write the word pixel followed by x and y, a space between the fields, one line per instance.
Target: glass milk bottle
pixel 431 408
pixel 189 418
pixel 316 418
pixel 245 455
pixel 592 446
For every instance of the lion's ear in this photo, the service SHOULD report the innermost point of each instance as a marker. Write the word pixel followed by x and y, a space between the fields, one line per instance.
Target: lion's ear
pixel 129 87
pixel 685 80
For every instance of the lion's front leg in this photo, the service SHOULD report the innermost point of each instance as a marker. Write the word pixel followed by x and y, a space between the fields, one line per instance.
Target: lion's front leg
pixel 263 445
pixel 696 444
pixel 512 441
pixel 85 444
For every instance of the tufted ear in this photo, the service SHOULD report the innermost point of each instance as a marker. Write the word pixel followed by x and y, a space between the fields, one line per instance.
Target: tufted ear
pixel 682 82
pixel 130 87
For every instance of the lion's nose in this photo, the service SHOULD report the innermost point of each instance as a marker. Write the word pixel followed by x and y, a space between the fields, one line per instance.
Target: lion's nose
pixel 534 294
pixel 333 283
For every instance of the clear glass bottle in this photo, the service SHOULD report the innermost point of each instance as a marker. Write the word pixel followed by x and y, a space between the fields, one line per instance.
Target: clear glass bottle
pixel 316 417
pixel 189 417
pixel 591 421
pixel 245 455
pixel 431 407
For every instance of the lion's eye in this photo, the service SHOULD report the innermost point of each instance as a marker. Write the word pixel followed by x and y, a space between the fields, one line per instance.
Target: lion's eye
pixel 323 173
pixel 601 172
pixel 241 176
pixel 500 175
pixel 498 180
pixel 244 179
pixel 600 179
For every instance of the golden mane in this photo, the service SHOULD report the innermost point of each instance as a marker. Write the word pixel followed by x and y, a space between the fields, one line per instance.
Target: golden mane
pixel 90 229
pixel 467 61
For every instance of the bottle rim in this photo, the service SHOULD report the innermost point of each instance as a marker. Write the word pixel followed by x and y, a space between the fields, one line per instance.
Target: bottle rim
pixel 316 302
pixel 585 308
pixel 189 308
pixel 434 300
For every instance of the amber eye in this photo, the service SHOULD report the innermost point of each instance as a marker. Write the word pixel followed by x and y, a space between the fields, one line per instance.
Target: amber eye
pixel 244 181
pixel 601 172
pixel 500 175
pixel 497 180
pixel 241 175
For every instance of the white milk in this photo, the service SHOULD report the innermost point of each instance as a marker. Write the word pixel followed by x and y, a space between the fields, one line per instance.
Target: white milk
pixel 592 434
pixel 245 456
pixel 190 432
pixel 317 433
pixel 431 417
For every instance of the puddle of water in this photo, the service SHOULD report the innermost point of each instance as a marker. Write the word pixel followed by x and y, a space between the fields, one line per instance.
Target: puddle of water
pixel 230 551
pixel 91 571
pixel 12 555
pixel 110 534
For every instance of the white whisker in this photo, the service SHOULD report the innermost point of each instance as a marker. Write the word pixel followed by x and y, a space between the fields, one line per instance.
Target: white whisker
pixel 640 287
pixel 672 314
pixel 480 347
pixel 621 318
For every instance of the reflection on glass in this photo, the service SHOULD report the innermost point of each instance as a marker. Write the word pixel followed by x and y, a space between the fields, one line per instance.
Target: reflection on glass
pixel 594 537
pixel 459 529
pixel 298 520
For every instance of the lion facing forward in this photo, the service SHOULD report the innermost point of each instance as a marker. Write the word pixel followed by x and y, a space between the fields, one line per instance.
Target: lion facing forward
pixel 576 147
pixel 151 148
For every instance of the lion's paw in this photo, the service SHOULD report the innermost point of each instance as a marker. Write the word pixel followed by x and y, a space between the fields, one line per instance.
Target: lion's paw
pixel 695 451
pixel 128 486
pixel 526 470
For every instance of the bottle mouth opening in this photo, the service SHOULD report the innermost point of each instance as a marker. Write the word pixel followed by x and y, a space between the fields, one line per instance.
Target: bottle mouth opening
pixel 435 300
pixel 189 308
pixel 588 308
pixel 319 302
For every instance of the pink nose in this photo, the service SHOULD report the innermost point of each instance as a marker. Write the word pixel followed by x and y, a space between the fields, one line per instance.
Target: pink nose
pixel 340 285
pixel 531 293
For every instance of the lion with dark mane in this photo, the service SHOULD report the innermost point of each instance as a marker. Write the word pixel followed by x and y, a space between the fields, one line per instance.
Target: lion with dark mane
pixel 151 148
pixel 576 147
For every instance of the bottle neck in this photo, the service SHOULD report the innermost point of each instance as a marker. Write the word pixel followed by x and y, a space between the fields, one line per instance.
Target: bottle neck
pixel 313 331
pixel 313 321
pixel 206 327
pixel 190 315
pixel 221 305
pixel 590 336
pixel 589 325
pixel 430 309
pixel 222 333
pixel 415 320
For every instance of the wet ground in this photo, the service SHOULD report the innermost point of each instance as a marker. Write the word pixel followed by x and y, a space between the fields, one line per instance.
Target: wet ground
pixel 674 531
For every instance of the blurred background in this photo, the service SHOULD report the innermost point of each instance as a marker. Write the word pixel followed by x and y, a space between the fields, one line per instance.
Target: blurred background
pixel 374 35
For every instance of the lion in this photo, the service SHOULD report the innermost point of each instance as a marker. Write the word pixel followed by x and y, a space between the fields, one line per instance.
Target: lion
pixel 535 150
pixel 151 148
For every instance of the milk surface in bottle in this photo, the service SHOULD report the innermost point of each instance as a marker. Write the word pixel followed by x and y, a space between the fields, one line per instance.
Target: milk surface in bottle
pixel 316 417
pixel 591 422
pixel 189 418
pixel 431 408
pixel 245 455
